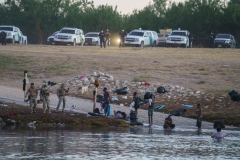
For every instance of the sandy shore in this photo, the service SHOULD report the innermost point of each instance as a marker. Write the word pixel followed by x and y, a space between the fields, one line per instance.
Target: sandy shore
pixel 9 94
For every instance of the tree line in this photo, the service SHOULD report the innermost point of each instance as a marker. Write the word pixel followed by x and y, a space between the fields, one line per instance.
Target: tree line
pixel 38 19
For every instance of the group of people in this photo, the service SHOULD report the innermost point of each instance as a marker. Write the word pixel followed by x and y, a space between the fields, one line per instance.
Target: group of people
pixel 32 94
pixel 104 38
pixel 3 36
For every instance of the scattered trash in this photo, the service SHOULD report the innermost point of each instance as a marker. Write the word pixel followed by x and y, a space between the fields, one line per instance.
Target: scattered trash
pixel 82 76
pixel 73 107
pixel 124 97
pixel 159 107
pixel 3 104
pixel 225 65
pixel 234 95
pixel 51 83
pixel 161 89
pixel 11 113
pixel 121 105
pixel 114 98
pixel 188 105
pixel 121 91
pixel 179 112
pixel 32 124
pixel 145 84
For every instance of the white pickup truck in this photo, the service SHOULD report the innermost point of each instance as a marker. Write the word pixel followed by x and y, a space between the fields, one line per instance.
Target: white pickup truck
pixel 14 35
pixel 141 38
pixel 66 35
pixel 179 38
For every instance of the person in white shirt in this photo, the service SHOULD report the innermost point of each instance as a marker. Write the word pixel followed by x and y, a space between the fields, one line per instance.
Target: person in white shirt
pixel 218 134
pixel 151 101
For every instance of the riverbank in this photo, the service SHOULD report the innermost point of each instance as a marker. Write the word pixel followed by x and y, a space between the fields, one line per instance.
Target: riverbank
pixel 14 114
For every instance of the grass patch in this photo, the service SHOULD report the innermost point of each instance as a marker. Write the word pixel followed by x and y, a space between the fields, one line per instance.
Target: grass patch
pixel 5 61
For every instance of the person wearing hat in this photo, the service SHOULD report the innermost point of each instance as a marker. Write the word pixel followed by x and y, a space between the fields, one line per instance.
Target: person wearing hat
pixel 122 36
pixel 61 93
pixel 44 94
pixel 32 92
pixel 168 123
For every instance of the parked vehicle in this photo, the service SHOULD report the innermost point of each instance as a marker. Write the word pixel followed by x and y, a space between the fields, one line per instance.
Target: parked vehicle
pixel 66 35
pixel 92 38
pixel 225 41
pixel 50 39
pixel 14 34
pixel 141 38
pixel 179 38
pixel 162 36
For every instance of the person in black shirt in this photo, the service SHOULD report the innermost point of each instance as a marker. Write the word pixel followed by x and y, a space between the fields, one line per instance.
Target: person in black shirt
pixel 107 34
pixel 212 37
pixel 102 39
pixel 3 36
pixel 122 35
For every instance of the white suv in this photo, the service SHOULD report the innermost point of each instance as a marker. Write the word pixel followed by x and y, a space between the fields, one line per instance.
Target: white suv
pixel 141 38
pixel 178 38
pixel 71 36
pixel 14 35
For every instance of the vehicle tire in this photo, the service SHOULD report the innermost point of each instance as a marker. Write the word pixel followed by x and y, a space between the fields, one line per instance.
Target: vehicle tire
pixel 142 44
pixel 74 43
pixel 13 40
pixel 25 42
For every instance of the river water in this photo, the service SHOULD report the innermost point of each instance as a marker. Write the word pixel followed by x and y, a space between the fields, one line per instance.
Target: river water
pixel 116 143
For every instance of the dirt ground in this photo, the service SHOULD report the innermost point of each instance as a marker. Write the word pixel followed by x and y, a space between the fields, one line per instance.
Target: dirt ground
pixel 213 71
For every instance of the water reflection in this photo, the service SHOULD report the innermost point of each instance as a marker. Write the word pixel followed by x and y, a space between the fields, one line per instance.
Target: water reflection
pixel 134 143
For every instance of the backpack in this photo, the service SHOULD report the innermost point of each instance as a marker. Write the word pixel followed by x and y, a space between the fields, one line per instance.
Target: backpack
pixel 96 110
pixel 234 95
pixel 133 116
pixel 147 95
pixel 161 89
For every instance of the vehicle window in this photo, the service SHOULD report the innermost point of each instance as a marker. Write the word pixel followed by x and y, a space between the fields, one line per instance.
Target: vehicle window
pixel 160 35
pixel 54 33
pixel 6 28
pixel 69 31
pixel 155 34
pixel 134 33
pixel 223 36
pixel 178 34
pixel 149 34
pixel 166 35
pixel 91 35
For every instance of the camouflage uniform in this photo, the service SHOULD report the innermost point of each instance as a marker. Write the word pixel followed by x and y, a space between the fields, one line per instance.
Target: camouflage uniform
pixel 45 97
pixel 33 93
pixel 61 93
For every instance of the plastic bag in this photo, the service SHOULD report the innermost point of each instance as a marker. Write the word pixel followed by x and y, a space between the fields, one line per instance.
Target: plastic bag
pixel 132 105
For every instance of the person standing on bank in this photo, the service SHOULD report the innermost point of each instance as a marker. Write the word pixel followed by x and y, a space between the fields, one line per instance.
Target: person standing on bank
pixel 102 39
pixel 212 37
pixel 198 111
pixel 136 100
pixel 107 35
pixel 106 99
pixel 44 92
pixel 151 101
pixel 3 37
pixel 32 92
pixel 61 93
